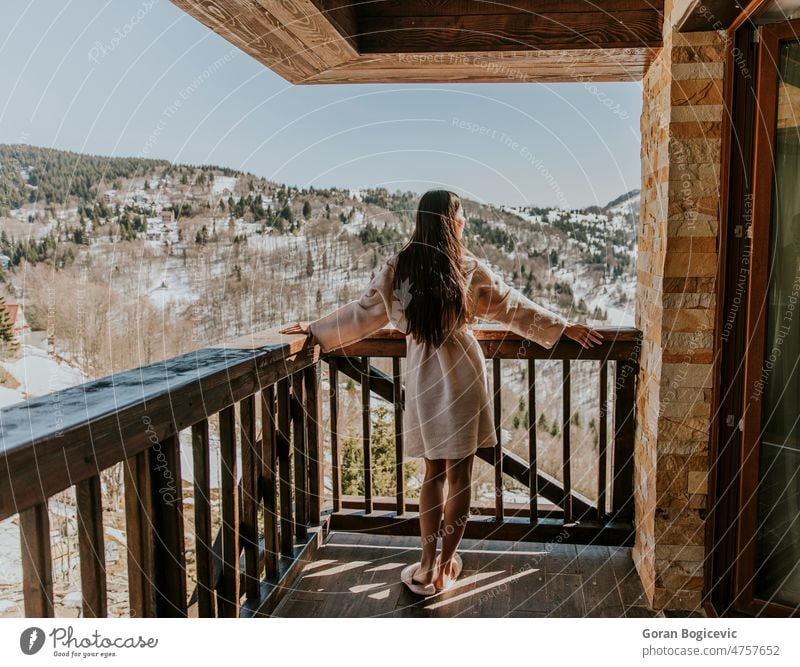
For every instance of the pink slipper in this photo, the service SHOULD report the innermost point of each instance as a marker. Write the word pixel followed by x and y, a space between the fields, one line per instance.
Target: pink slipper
pixel 408 572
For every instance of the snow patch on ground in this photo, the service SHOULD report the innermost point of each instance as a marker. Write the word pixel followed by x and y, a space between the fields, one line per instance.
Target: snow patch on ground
pixel 222 183
pixel 37 374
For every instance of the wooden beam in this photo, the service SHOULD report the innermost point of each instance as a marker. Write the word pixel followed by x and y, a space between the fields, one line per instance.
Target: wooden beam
pixel 298 426
pixel 249 28
pixel 618 343
pixel 335 41
pixel 91 545
pixel 229 585
pixel 314 444
pixel 204 555
pixel 497 462
pixel 510 32
pixel 284 452
pixel 169 549
pixel 37 564
pixel 139 535
pixel 332 43
pixel 251 470
pixel 468 7
pixel 293 38
pixel 477 508
pixel 546 66
pixel 269 483
pixel 624 435
pixel 613 533
pixel 342 16
pixel 548 486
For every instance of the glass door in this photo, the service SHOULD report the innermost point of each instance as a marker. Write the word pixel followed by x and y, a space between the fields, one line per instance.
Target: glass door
pixel 768 570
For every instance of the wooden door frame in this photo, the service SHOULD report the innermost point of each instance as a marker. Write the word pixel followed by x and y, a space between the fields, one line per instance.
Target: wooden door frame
pixel 724 445
pixel 771 36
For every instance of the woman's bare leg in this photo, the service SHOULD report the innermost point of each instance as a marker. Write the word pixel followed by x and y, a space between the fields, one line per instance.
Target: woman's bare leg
pixel 456 510
pixel 431 499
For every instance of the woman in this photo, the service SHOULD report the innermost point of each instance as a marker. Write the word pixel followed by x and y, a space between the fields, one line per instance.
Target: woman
pixel 432 289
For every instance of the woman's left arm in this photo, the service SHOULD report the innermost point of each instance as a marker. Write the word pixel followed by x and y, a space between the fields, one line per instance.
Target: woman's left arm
pixel 498 301
pixel 358 318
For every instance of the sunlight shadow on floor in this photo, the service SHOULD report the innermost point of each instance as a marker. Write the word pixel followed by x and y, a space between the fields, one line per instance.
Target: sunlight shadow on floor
pixel 338 569
pixel 481 589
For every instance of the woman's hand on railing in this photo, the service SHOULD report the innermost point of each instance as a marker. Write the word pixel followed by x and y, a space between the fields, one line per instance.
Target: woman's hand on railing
pixel 299 328
pixel 584 335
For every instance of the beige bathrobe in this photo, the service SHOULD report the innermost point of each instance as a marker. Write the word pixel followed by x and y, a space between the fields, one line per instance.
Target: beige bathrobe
pixel 448 405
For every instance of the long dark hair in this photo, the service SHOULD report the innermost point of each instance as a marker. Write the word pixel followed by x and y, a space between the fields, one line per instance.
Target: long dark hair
pixel 429 276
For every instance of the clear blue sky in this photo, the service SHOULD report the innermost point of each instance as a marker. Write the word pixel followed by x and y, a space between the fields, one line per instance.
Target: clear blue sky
pixel 172 89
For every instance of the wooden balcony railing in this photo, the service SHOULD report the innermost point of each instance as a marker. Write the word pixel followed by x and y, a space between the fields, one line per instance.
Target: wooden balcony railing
pixel 264 393
pixel 604 520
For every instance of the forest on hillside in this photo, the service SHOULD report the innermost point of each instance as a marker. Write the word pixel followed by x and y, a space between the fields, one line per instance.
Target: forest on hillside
pixel 114 286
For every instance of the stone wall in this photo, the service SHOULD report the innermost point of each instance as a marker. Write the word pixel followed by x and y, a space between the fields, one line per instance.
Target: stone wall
pixel 681 128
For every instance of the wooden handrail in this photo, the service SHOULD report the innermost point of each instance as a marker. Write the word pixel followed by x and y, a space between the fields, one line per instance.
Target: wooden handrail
pixel 51 442
pixel 620 343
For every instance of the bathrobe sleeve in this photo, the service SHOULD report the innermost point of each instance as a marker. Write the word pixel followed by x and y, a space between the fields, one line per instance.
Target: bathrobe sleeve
pixel 495 300
pixel 359 318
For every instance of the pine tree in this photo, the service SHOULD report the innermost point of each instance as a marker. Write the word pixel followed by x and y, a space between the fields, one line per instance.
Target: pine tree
pixel 543 425
pixel 309 263
pixel 352 468
pixel 8 340
pixel 382 448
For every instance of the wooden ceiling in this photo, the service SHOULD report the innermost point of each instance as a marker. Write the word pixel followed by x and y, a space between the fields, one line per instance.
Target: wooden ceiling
pixel 440 41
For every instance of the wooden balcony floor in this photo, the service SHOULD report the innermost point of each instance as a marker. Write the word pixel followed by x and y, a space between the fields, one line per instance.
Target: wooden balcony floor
pixel 358 575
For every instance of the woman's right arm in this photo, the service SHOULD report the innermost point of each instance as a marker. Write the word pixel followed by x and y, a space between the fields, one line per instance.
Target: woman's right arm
pixel 357 319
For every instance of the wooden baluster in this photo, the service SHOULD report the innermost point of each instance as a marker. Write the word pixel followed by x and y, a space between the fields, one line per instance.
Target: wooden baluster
pixel 204 553
pixel 228 593
pixel 284 464
pixel 139 534
pixel 300 458
pixel 498 449
pixel 250 470
pixel 565 433
pixel 169 555
pixel 269 483
pixel 315 459
pixel 91 546
pixel 366 434
pixel 397 399
pixel 624 406
pixel 533 467
pixel 336 479
pixel 602 445
pixel 37 564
